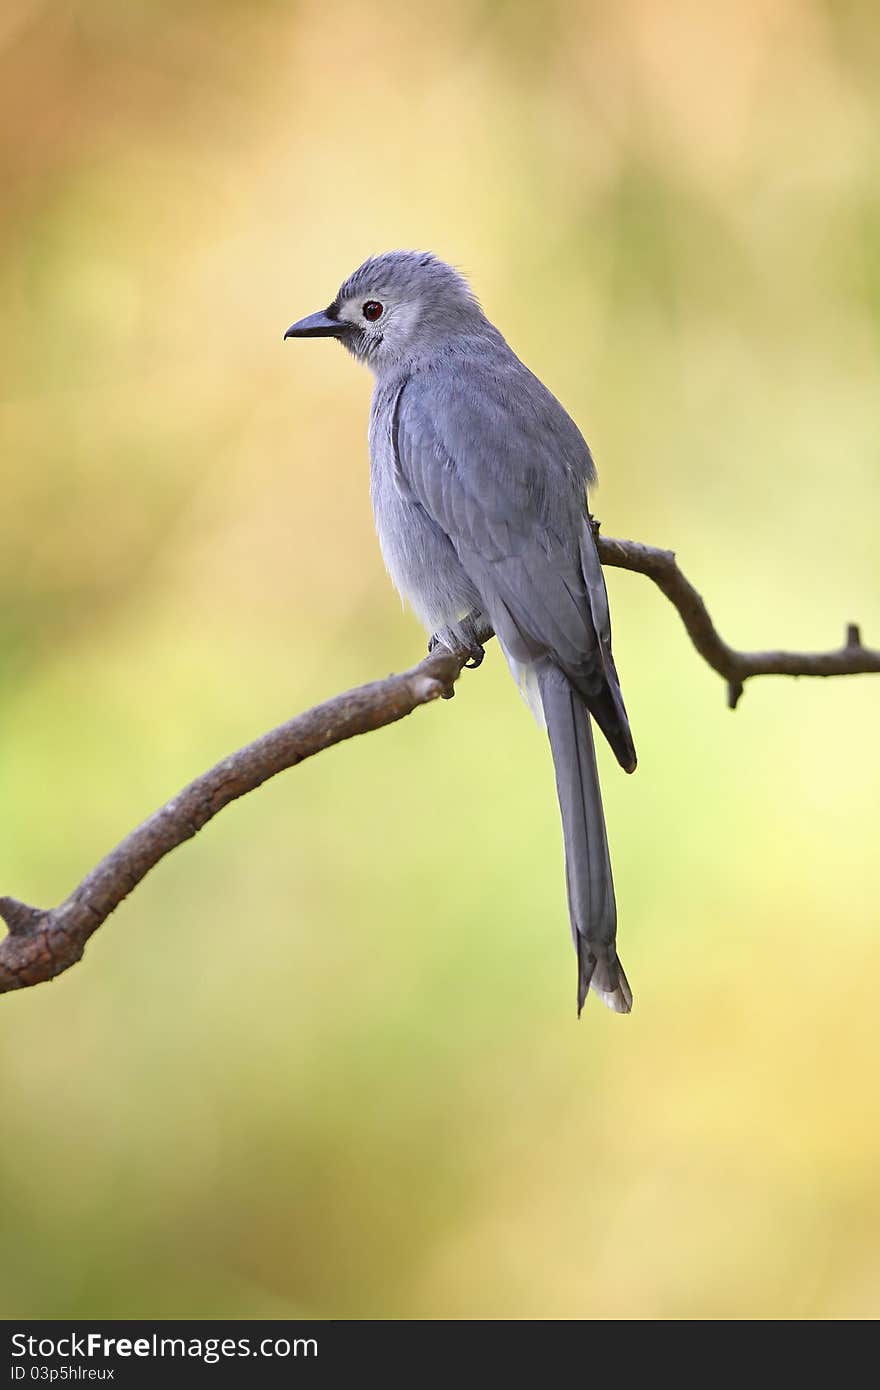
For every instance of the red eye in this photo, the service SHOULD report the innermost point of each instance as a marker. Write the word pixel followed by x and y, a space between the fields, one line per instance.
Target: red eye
pixel 372 310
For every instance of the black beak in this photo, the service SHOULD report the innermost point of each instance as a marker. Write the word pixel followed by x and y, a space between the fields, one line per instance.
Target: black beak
pixel 320 325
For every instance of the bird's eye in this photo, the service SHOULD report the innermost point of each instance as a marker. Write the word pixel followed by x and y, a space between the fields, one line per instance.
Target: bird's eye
pixel 372 310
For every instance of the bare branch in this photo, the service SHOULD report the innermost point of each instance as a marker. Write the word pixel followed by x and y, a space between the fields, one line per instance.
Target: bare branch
pixel 40 944
pixel 735 667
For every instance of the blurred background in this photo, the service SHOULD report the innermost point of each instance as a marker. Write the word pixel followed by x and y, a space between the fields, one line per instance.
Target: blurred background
pixel 325 1061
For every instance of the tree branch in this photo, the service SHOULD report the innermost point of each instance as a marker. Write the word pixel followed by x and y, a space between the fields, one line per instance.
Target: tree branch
pixel 851 659
pixel 40 944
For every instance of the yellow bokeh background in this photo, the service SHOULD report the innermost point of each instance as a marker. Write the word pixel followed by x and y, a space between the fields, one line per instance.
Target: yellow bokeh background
pixel 325 1061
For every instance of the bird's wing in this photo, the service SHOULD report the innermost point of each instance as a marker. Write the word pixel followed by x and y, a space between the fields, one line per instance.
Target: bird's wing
pixel 499 466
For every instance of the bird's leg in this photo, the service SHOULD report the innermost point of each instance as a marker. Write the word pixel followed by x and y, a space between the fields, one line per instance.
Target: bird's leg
pixel 468 635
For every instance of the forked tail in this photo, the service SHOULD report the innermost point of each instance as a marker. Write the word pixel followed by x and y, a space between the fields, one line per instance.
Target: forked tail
pixel 591 904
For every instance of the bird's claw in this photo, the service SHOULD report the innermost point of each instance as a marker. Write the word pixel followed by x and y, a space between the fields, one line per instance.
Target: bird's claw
pixel 458 644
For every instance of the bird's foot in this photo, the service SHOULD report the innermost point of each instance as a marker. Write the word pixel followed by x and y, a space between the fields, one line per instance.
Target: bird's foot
pixel 461 640
pixel 473 650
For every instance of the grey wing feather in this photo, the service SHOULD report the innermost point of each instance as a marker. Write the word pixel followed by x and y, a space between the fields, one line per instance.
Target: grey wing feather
pixel 498 464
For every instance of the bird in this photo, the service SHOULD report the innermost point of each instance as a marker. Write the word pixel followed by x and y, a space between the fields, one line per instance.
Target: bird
pixel 479 484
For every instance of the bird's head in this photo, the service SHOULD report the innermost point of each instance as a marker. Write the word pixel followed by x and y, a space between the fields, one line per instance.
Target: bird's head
pixel 396 308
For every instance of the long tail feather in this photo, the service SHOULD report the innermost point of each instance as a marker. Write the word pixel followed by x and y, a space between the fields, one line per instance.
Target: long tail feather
pixel 591 903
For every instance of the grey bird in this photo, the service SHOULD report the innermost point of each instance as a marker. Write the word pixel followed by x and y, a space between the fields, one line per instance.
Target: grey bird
pixel 479 479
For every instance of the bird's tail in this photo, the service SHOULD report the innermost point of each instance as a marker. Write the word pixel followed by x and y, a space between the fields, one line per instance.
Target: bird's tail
pixel 591 902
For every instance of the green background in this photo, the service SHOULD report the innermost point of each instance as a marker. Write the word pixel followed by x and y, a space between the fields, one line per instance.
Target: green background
pixel 325 1061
